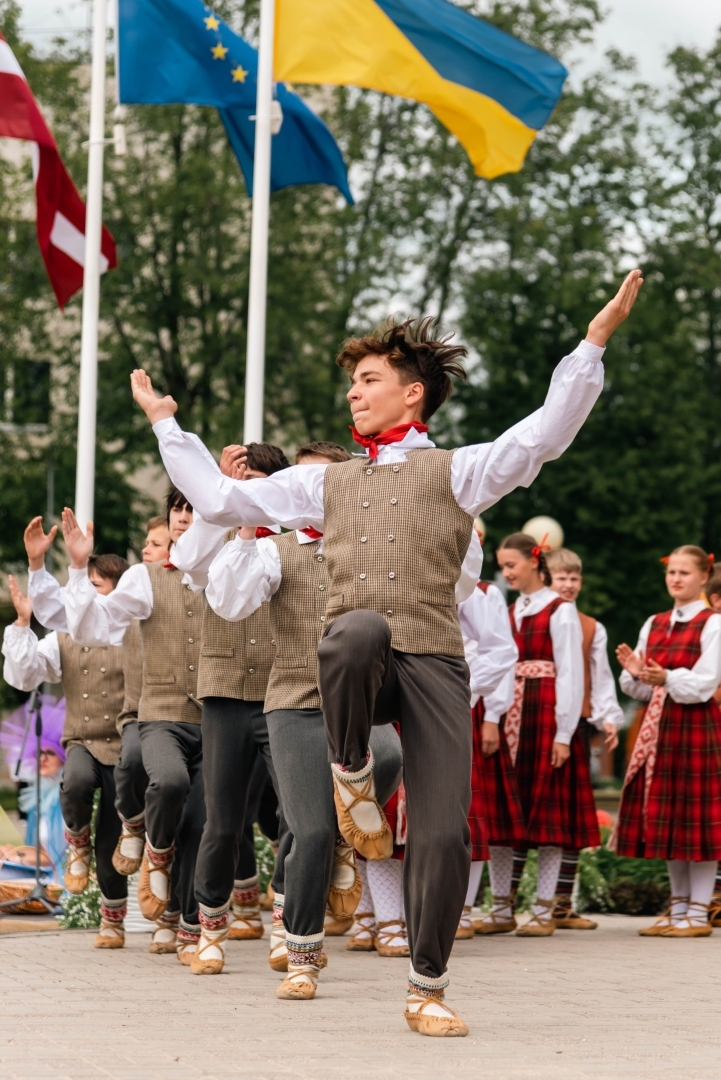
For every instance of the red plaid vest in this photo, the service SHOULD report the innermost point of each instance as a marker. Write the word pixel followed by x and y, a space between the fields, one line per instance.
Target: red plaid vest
pixel 534 638
pixel 677 646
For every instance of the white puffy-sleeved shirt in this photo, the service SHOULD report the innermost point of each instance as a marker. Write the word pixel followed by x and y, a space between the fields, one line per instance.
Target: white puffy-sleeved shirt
pixel 480 475
pixel 48 600
pixel 687 686
pixel 28 660
pixel 491 652
pixel 565 629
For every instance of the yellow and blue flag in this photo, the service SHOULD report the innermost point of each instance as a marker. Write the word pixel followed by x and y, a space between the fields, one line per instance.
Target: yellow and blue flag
pixel 180 51
pixel 492 91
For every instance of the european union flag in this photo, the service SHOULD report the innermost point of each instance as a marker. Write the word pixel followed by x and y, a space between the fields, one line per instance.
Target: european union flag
pixel 179 51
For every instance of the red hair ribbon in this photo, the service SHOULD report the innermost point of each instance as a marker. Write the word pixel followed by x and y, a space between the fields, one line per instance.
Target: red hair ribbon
pixel 312 533
pixel 261 532
pixel 393 435
pixel 540 548
pixel 711 558
pixel 665 559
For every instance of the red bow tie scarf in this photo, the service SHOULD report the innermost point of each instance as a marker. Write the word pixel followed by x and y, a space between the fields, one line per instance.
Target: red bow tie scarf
pixel 385 438
pixel 312 533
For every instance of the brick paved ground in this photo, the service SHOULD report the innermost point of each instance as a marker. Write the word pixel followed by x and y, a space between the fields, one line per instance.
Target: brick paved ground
pixel 606 1005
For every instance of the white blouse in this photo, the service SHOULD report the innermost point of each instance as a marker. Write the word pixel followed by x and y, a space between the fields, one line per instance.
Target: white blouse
pixel 604 700
pixel 491 652
pixel 480 475
pixel 565 629
pixel 30 661
pixel 48 600
pixel 687 686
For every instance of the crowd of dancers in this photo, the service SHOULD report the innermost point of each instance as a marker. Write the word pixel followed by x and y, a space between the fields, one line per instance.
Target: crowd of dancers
pixel 311 647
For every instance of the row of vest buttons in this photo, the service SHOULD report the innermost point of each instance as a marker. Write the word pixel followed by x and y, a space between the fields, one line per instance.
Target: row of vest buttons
pixel 102 694
pixel 86 648
pixel 391 575
pixel 391 538
pixel 394 502
pixel 396 468
pixel 87 718
pixel 85 670
pixel 89 741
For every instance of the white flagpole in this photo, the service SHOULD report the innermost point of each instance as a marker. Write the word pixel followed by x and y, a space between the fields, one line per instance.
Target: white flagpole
pixel 257 295
pixel 87 411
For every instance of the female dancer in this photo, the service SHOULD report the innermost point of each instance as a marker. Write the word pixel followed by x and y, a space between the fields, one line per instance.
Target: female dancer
pixel 539 734
pixel 671 801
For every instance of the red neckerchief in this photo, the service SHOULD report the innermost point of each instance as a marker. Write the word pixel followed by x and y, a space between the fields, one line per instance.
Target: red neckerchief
pixel 393 435
pixel 169 566
pixel 312 533
pixel 261 532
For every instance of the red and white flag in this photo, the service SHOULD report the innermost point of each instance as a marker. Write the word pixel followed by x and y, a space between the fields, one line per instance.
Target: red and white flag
pixel 60 210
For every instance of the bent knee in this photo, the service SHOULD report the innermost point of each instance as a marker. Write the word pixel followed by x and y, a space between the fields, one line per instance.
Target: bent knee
pixel 358 630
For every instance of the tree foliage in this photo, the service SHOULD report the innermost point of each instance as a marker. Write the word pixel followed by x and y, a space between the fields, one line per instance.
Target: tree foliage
pixel 519 264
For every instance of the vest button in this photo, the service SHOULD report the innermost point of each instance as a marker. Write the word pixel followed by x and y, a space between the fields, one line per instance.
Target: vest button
pixel 103 694
pixel 272 641
pixel 187 586
pixel 389 612
pixel 369 472
pixel 108 739
pixel 251 671
pixel 190 613
pixel 362 577
pixel 102 669
pixel 396 468
pixel 106 718
pixel 322 618
pixel 88 741
pixel 364 539
pixel 366 505
pixel 394 501
pixel 85 695
pixel 86 718
pixel 391 575
pixel 191 640
pixel 85 648
pixel 391 538
pixel 321 588
pixel 319 558
pixel 252 641
pixel 190 667
pixel 85 671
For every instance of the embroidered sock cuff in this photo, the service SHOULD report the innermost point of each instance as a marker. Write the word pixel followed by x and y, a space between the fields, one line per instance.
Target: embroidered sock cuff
pixel 426 984
pixel 359 777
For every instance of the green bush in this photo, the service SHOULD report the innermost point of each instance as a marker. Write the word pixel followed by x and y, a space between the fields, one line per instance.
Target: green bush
pixel 83 912
pixel 265 859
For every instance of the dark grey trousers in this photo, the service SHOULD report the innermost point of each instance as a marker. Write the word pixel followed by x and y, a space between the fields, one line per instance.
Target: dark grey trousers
pixel 174 801
pixel 235 733
pixel 82 777
pixel 263 808
pixel 299 747
pixel 363 681
pixel 131 779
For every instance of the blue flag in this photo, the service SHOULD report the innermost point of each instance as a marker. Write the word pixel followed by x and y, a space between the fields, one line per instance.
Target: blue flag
pixel 179 51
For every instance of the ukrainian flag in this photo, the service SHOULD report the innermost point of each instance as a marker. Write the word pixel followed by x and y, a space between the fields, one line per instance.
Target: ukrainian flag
pixel 491 90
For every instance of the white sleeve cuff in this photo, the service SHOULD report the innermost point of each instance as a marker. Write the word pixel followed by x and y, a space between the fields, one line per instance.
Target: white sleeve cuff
pixel 587 351
pixel 491 717
pixel 563 737
pixel 73 572
pixel 165 425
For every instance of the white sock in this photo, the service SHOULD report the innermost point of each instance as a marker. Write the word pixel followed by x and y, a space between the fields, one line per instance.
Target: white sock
pixel 474 881
pixel 549 867
pixel 702 876
pixel 678 872
pixel 501 870
pixel 385 881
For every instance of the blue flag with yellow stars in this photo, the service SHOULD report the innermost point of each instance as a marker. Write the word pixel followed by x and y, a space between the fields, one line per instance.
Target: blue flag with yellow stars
pixel 179 51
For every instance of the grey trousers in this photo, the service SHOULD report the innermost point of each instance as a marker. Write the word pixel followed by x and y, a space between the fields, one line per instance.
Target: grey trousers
pixel 234 734
pixel 82 777
pixel 174 801
pixel 363 681
pixel 299 748
pixel 131 779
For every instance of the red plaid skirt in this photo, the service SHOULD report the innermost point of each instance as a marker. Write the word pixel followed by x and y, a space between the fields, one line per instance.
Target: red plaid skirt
pixel 684 805
pixel 496 816
pixel 391 812
pixel 558 804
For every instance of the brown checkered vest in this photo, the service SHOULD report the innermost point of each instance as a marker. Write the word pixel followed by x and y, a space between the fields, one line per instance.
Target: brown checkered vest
pixel 236 657
pixel 395 540
pixel 297 618
pixel 92 677
pixel 132 675
pixel 171 649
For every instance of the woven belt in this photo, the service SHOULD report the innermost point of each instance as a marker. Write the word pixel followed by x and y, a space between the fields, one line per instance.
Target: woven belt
pixel 525 669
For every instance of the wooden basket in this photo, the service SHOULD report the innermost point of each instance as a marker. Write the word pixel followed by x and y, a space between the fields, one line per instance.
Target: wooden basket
pixel 16 890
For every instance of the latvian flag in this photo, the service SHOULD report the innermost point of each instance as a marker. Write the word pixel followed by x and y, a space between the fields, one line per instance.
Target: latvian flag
pixel 60 210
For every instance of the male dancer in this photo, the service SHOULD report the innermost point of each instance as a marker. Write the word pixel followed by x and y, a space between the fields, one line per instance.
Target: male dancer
pixel 234 667
pixel 170 616
pixel 397 526
pixel 290 572
pixel 600 709
pixel 92 681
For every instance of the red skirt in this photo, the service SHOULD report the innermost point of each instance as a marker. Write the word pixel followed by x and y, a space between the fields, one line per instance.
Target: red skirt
pixel 684 804
pixel 558 804
pixel 391 812
pixel 496 816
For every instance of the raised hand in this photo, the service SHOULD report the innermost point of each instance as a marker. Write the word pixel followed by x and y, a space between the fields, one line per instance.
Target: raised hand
pixel 233 462
pixel 627 659
pixel 78 543
pixel 38 543
pixel 616 311
pixel 154 407
pixel 21 603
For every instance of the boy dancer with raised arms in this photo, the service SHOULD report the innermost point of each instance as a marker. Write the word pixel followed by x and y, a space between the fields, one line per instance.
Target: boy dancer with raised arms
pixel 397 525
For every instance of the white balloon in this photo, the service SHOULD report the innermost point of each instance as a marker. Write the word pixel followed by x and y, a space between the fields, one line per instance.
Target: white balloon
pixel 544 530
pixel 480 526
